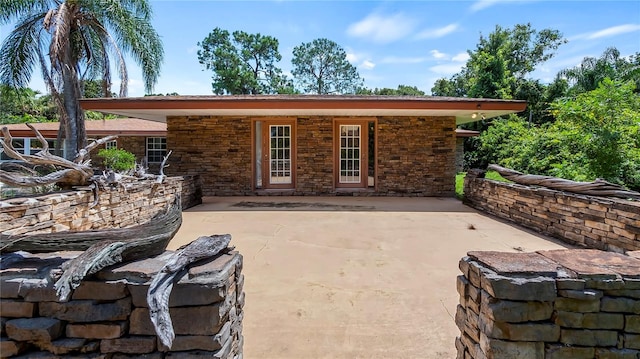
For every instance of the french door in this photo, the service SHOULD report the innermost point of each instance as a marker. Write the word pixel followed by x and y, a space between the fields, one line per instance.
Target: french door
pixel 351 154
pixel 275 152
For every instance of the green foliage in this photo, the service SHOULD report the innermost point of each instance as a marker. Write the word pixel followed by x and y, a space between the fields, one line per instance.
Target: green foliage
pixel 243 63
pixel 402 90
pixel 492 175
pixel 21 105
pixel 321 67
pixel 75 41
pixel 501 62
pixel 596 135
pixel 592 71
pixel 117 159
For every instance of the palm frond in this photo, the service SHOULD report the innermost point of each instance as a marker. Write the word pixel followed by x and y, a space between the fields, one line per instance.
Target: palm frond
pixel 11 10
pixel 20 50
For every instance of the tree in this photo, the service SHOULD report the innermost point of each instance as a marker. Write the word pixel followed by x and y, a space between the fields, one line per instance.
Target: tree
pixel 608 119
pixel 20 105
pixel 501 62
pixel 244 64
pixel 592 71
pixel 402 90
pixel 77 40
pixel 321 67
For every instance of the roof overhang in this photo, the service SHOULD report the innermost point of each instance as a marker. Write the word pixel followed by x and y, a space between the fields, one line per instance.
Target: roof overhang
pixel 158 108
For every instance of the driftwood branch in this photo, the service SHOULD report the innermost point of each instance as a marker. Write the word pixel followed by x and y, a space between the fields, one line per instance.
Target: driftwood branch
pixel 136 242
pixel 69 173
pixel 599 187
pixel 164 164
pixel 173 270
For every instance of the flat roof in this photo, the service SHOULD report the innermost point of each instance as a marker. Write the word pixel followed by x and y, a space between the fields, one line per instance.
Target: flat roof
pixel 157 108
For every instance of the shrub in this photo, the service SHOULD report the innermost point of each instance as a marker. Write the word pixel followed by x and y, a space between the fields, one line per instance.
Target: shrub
pixel 117 159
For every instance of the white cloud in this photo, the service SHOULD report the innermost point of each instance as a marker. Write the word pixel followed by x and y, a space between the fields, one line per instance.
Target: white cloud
pixel 367 65
pixel 437 33
pixel 461 57
pixel 446 69
pixel 402 60
pixel 351 57
pixel 438 55
pixel 382 29
pixel 612 31
pixel 483 4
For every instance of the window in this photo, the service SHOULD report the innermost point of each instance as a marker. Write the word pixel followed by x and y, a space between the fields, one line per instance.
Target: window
pixel 111 144
pixel 156 149
pixel 28 146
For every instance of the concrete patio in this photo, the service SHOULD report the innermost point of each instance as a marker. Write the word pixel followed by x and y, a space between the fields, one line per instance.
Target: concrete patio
pixel 352 277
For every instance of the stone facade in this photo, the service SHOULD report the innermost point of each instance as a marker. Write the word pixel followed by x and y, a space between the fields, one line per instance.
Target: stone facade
pixel 134 144
pixel 415 156
pixel 548 305
pixel 108 315
pixel 120 207
pixel 594 222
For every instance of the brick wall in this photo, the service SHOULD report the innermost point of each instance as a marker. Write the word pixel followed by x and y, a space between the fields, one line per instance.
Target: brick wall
pixel 120 207
pixel 108 315
pixel 595 222
pixel 416 156
pixel 556 304
pixel 216 148
pixel 315 156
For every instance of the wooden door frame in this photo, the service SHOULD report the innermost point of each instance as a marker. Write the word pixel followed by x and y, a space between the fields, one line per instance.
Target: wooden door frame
pixel 266 165
pixel 364 152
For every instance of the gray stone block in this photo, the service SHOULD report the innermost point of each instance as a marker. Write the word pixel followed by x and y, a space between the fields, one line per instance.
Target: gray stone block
pixel 129 345
pixel 589 338
pixel 514 311
pixel 85 311
pixel 576 305
pixel 565 352
pixel 34 329
pixel 620 305
pixel 502 349
pixel 530 289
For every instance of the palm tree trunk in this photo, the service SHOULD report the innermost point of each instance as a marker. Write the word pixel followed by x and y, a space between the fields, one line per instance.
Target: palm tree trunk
pixel 75 132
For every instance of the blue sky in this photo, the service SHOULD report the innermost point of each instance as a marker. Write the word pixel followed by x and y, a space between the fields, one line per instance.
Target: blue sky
pixel 391 42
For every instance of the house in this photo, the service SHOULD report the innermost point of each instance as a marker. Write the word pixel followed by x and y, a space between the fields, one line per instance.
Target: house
pixel 145 139
pixel 312 144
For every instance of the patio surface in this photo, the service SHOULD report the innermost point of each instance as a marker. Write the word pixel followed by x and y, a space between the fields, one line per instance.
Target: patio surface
pixel 351 277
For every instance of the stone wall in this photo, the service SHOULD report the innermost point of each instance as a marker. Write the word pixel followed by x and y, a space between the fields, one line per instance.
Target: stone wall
pixel 108 316
pixel 120 207
pixel 595 222
pixel 415 155
pixel 555 304
pixel 216 148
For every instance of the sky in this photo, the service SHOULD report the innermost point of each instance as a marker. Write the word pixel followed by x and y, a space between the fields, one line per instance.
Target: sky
pixel 391 43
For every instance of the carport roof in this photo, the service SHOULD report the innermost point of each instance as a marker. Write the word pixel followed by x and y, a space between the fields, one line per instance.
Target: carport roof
pixel 157 108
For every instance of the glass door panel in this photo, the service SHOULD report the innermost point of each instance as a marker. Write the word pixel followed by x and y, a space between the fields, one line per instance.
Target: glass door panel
pixel 350 170
pixel 280 155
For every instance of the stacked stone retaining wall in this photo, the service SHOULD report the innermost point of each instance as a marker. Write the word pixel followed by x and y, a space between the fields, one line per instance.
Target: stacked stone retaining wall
pixel 135 203
pixel 108 315
pixel 595 222
pixel 567 304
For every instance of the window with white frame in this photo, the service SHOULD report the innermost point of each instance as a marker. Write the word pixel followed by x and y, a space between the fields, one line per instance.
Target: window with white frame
pixel 111 144
pixel 27 146
pixel 156 149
